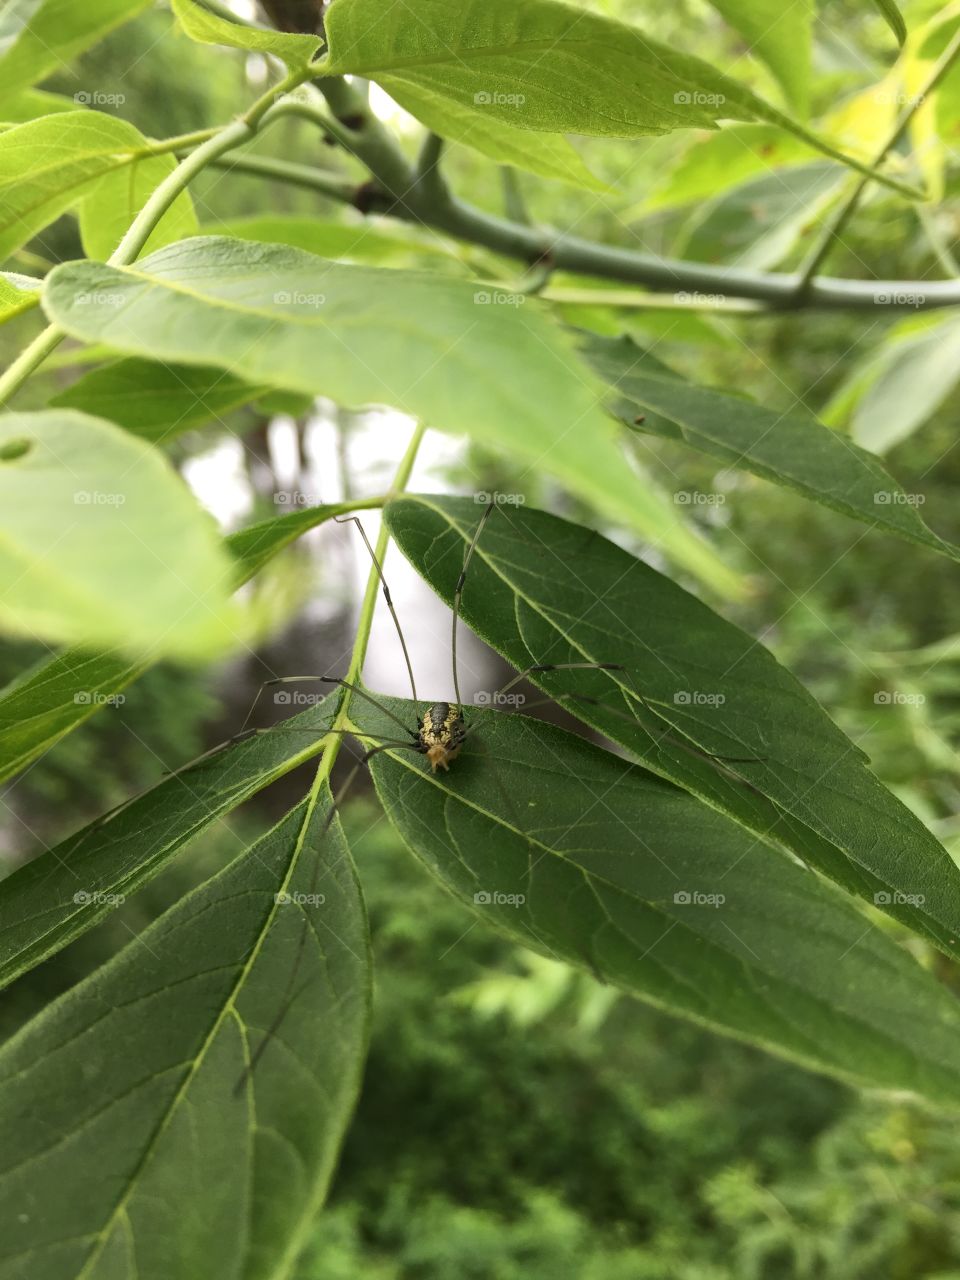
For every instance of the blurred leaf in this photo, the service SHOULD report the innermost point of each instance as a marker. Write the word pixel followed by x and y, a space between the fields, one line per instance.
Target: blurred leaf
pixel 792 448
pixel 781 37
pixel 550 155
pixel 536 831
pixel 52 164
pixel 17 294
pixel 27 104
pixel 140 1063
pixel 40 36
pixel 723 160
pixel 157 402
pixel 104 544
pixel 894 19
pixel 202 25
pixel 68 889
pixel 760 223
pixel 542 590
pixel 544 66
pixel 897 387
pixel 61 692
pixel 482 361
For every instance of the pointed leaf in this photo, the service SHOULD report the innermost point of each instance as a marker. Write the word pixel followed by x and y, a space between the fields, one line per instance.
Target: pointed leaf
pixel 572 851
pixel 792 449
pixel 193 1175
pixel 40 36
pixel 207 28
pixel 461 358
pixel 542 590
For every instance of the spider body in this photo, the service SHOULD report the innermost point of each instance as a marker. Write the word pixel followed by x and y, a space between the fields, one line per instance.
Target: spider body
pixel 440 734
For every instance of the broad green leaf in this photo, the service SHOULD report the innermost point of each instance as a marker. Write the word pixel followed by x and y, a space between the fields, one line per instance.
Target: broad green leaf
pixel 157 402
pixel 59 693
pixel 41 36
pixel 101 542
pixel 542 66
pixel 140 1063
pixel 27 104
pixel 548 155
pixel 540 590
pixel 17 294
pixel 52 164
pixel 65 891
pixel 792 449
pixel 894 18
pixel 206 27
pixel 572 851
pixel 780 36
pixel 898 386
pixel 367 241
pixel 115 199
pixel 760 223
pixel 463 358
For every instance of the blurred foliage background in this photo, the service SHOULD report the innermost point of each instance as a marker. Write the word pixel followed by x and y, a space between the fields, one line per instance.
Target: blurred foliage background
pixel 518 1122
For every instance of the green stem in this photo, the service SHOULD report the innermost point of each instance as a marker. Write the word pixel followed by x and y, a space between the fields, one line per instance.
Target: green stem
pixel 139 231
pixel 835 227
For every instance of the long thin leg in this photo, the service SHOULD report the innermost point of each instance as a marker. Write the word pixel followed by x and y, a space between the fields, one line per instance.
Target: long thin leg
pixel 344 684
pixel 386 596
pixel 289 995
pixel 458 596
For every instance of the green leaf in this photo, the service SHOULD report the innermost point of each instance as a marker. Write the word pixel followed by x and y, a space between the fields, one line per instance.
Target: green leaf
pixel 52 164
pixel 571 851
pixel 720 161
pixel 541 590
pixel 898 386
pixel 103 544
pixel 791 449
pixel 61 692
pixel 40 36
pixel 157 402
pixel 141 1063
pixel 115 199
pixel 894 19
pixel 760 223
pixel 17 294
pixel 59 895
pixel 781 37
pixel 548 155
pixel 543 66
pixel 460 357
pixel 202 25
